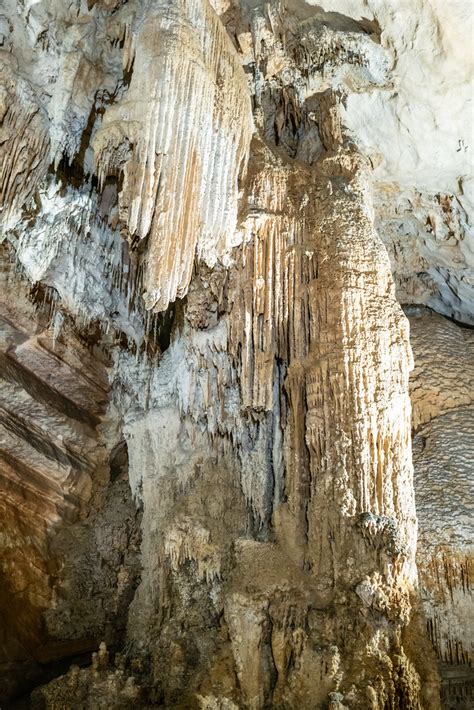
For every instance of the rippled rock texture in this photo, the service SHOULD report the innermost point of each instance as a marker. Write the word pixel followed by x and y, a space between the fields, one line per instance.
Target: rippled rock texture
pixel 442 393
pixel 206 455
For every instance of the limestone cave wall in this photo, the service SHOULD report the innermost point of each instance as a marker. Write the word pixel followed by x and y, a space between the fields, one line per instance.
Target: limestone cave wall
pixel 236 354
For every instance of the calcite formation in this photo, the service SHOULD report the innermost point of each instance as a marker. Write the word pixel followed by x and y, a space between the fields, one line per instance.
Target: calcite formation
pixel 205 421
pixel 442 391
pixel 182 127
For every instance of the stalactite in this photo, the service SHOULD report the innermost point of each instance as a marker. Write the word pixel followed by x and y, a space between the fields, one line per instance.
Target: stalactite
pixel 180 168
pixel 24 130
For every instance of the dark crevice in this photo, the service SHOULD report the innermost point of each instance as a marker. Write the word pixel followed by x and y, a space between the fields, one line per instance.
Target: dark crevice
pixel 118 461
pixel 343 23
pixel 127 74
pixel 72 172
pixel 55 662
pixel 459 323
pixel 165 323
pixel 411 308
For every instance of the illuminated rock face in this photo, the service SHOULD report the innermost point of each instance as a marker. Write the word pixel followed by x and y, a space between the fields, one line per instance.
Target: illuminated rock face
pixel 205 421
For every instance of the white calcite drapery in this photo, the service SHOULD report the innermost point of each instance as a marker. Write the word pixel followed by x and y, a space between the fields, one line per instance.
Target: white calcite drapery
pixel 179 140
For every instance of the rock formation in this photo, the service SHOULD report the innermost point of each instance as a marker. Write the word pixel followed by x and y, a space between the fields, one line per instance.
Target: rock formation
pixel 212 212
pixel 442 395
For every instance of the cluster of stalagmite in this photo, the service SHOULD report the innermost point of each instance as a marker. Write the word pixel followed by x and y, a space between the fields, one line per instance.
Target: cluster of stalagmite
pixel 205 429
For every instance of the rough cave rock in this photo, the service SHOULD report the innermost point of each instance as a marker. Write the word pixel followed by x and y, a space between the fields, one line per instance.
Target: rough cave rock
pixel 237 356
